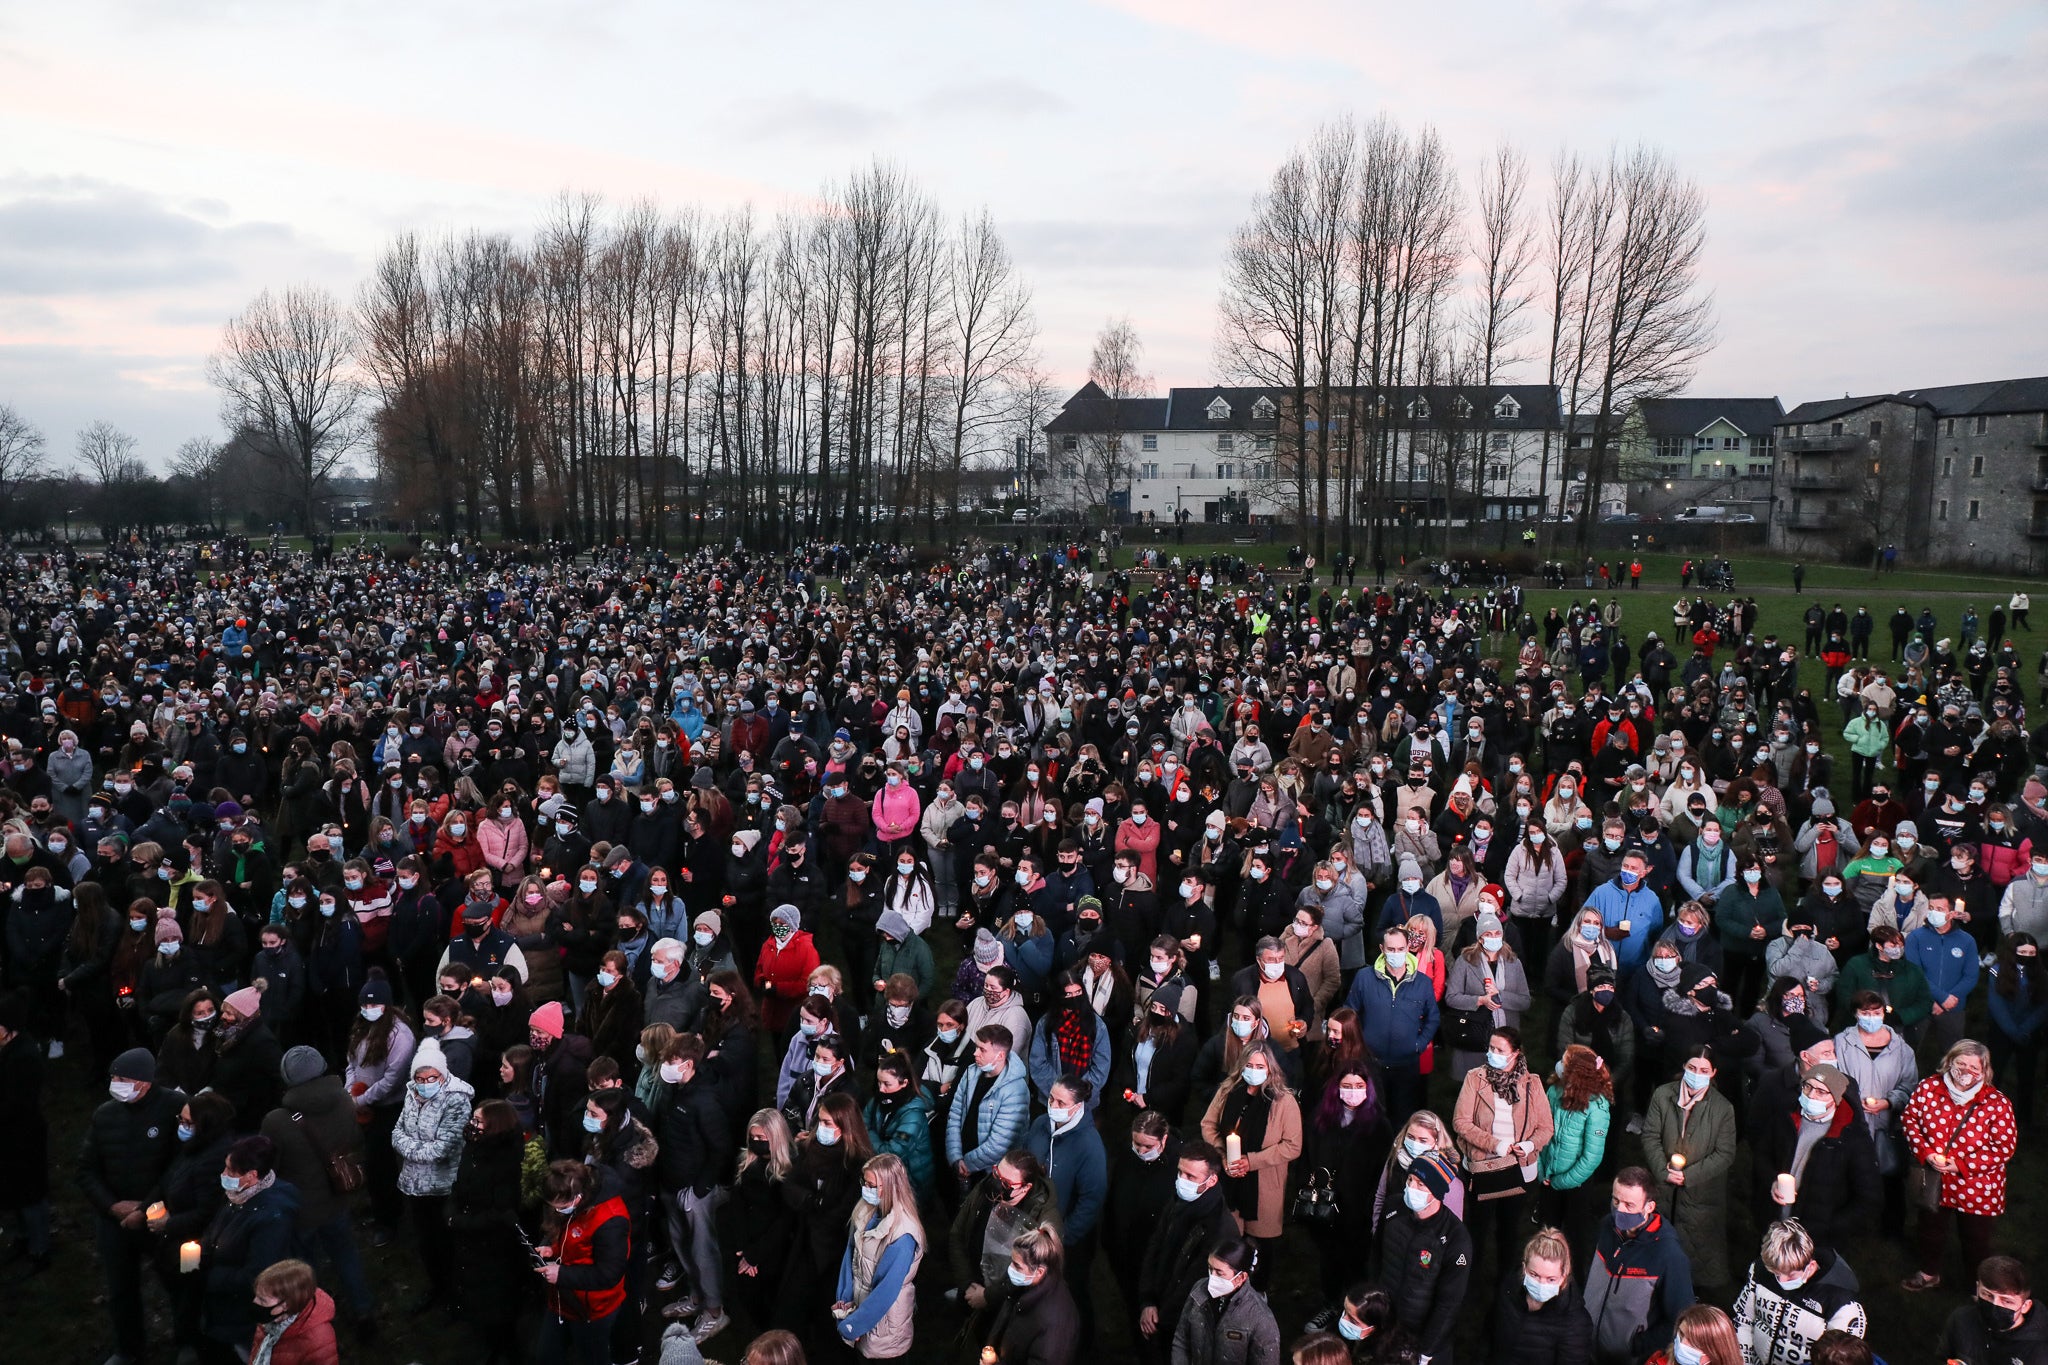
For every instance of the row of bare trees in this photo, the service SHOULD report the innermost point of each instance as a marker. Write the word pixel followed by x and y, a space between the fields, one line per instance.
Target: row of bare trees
pixel 1362 270
pixel 646 374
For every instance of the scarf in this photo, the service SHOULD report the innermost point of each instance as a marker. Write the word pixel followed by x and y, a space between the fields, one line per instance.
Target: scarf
pixel 1507 1085
pixel 272 1333
pixel 1245 1113
pixel 1075 1035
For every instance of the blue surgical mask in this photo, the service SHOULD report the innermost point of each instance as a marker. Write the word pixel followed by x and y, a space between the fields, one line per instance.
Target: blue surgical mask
pixel 592 1123
pixel 1416 1147
pixel 1415 1197
pixel 870 1195
pixel 1870 1023
pixel 1498 1060
pixel 1021 1279
pixel 429 1089
pixel 1538 1290
pixel 1695 1081
pixel 185 1131
pixel 1815 1108
pixel 1187 1189
pixel 1684 1353
pixel 230 1182
pixel 1630 1222
pixel 828 1137
pixel 1348 1329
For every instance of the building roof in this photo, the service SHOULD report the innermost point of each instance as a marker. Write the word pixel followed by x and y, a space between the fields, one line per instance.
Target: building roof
pixel 1187 409
pixel 1952 400
pixel 1691 416
pixel 1090 409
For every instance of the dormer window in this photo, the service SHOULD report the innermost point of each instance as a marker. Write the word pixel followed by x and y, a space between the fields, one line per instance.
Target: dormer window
pixel 1418 410
pixel 1262 411
pixel 1219 411
pixel 1461 407
pixel 1507 409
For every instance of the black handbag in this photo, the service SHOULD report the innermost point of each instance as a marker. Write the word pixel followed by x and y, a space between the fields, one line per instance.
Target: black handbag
pixel 1316 1201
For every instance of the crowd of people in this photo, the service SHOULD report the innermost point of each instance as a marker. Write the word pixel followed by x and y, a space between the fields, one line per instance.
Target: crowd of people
pixel 861 950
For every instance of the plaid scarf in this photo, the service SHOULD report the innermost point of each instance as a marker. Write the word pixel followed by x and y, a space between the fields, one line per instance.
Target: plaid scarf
pixel 1075 1035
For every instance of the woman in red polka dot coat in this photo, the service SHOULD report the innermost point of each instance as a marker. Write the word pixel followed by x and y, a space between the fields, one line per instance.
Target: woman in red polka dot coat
pixel 1962 1128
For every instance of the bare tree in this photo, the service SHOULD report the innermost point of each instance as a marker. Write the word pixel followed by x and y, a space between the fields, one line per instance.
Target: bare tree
pixel 1653 324
pixel 1115 366
pixel 198 461
pixel 992 333
pixel 1572 249
pixel 285 370
pixel 23 455
pixel 107 453
pixel 1506 254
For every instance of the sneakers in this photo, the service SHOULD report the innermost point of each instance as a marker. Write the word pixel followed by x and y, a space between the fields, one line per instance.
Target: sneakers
pixel 711 1325
pixel 671 1276
pixel 1323 1321
pixel 1635 1123
pixel 685 1307
pixel 1918 1281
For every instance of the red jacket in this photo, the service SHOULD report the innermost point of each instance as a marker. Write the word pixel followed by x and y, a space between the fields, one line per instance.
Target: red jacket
pixel 1981 1144
pixel 782 974
pixel 310 1338
pixel 466 854
pixel 592 1282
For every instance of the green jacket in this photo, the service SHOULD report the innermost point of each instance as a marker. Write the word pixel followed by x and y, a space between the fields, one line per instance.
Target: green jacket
pixel 1904 989
pixel 1577 1143
pixel 1738 911
pixel 912 957
pixel 1867 738
pixel 1699 1207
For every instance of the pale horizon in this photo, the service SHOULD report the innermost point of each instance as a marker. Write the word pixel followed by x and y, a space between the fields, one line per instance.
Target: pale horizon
pixel 1877 175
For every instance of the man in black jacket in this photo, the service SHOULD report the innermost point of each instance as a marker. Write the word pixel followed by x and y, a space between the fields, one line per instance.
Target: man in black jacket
pixel 129 1144
pixel 696 1144
pixel 315 1121
pixel 1426 1258
pixel 1824 1144
pixel 2002 1325
pixel 1178 1258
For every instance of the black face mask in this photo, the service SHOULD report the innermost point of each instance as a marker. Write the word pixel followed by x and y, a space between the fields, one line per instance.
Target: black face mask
pixel 758 1146
pixel 1996 1317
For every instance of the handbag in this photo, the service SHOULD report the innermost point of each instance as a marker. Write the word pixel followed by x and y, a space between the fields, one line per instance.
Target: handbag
pixel 344 1172
pixel 1316 1202
pixel 1923 1182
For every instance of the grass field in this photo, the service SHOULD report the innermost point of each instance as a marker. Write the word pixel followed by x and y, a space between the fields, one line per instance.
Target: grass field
pixel 63 1315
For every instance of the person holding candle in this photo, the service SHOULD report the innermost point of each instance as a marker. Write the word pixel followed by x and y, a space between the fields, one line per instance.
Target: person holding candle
pixel 1689 1142
pixel 1879 1060
pixel 1033 1317
pixel 130 1142
pixel 1826 1167
pixel 1255 1118
pixel 187 1199
pixel 1962 1134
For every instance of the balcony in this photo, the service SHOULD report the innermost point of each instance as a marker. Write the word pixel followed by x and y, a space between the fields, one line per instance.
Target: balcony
pixel 1824 482
pixel 1820 445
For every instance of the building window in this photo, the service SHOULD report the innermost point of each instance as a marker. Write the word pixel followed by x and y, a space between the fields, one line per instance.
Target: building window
pixel 1759 469
pixel 1262 410
pixel 1983 424
pixel 1948 426
pixel 1941 510
pixel 1461 408
pixel 1418 411
pixel 1073 471
pixel 1876 430
pixel 1731 443
pixel 1670 448
pixel 1974 507
pixel 1150 442
pixel 1219 411
pixel 1976 466
pixel 1835 430
pixel 1225 441
pixel 1266 443
pixel 1507 408
pixel 1148 470
pixel 1226 471
pixel 1500 440
pixel 1764 447
pixel 1263 470
pixel 1948 466
pixel 1702 444
pixel 1071 443
pixel 1496 472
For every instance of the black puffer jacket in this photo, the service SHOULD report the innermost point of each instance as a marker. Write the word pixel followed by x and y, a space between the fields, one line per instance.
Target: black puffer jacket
pixel 128 1147
pixel 245 1070
pixel 244 1241
pixel 1425 1267
pixel 1556 1333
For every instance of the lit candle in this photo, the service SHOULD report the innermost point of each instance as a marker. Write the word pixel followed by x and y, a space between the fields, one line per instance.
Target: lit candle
pixel 188 1257
pixel 156 1214
pixel 989 1356
pixel 1624 926
pixel 1677 1161
pixel 1787 1188
pixel 1233 1149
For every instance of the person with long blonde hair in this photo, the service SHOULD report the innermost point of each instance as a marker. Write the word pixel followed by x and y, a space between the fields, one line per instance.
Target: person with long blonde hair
pixel 876 1307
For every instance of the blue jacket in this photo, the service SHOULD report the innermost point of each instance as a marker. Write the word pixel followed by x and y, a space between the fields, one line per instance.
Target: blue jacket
pixel 1078 1167
pixel 1031 958
pixel 1398 1019
pixel 1401 907
pixel 2017 1018
pixel 1949 960
pixel 1640 907
pixel 906 1131
pixel 1000 1119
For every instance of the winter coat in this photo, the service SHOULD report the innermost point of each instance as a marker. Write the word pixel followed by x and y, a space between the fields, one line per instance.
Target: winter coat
pixel 904 1128
pixel 1635 1289
pixel 504 848
pixel 1077 1164
pixel 2024 908
pixel 1838 1187
pixel 1316 959
pixel 1556 1333
pixel 128 1147
pixel 780 976
pixel 895 812
pixel 1698 1209
pixel 242 1242
pixel 1398 1019
pixel 302 1156
pixel 1270 1161
pixel 877 1276
pixel 383 1084
pixel 310 1338
pixel 611 1019
pixel 1578 1141
pixel 1903 985
pixel 1642 911
pixel 428 1137
pixel 1000 1115
pixel 1425 1267
pixel 1243 1333
pixel 1035 1326
pixel 1472 1122
pixel 1778 1326
pixel 1534 886
pixel 1980 1138
pixel 532 927
pixel 575 759
pixel 1466 982
pixel 1806 960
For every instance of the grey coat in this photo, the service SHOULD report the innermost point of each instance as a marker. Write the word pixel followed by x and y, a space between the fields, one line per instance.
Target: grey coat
pixel 428 1137
pixel 70 782
pixel 1243 1334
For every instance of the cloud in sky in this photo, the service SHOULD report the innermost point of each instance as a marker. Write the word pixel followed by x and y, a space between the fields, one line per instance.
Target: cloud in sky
pixel 1878 173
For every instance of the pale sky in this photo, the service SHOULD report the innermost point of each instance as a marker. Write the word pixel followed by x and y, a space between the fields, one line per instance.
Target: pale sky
pixel 1877 172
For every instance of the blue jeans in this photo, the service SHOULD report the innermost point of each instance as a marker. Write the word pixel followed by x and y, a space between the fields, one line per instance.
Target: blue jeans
pixel 336 1239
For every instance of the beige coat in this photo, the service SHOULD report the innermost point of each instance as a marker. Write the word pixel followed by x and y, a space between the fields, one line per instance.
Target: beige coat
pixel 1317 959
pixel 1270 1162
pixel 892 1336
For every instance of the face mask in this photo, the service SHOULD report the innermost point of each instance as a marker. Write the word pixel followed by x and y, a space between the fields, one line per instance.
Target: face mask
pixel 1415 1197
pixel 1187 1189
pixel 1589 932
pixel 373 1012
pixel 501 997
pixel 457 830
pixel 1629 1222
pixel 1906 841
pixel 1498 1060
pixel 1220 1286
pixel 1996 1317
pixel 1695 1081
pixel 1416 1147
pixel 1815 1108
pixel 1411 885
pixel 139 925
pixel 1938 919
pixel 429 1089
pixel 949 1035
pixel 1683 1353
pixel 1538 1289
pixel 1348 1329
pixel 1254 1076
pixel 592 1124
pixel 1892 952
pixel 1664 967
pixel 230 1182
pixel 1396 960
